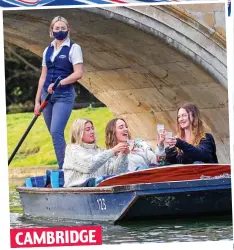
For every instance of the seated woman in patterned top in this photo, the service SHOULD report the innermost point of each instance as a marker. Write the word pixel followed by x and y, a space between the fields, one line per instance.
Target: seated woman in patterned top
pixel 192 144
pixel 84 159
pixel 141 156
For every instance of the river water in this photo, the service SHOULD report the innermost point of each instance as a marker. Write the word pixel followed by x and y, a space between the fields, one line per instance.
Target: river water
pixel 189 230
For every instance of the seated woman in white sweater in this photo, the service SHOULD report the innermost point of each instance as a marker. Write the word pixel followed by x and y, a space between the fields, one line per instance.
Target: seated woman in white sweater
pixel 84 159
pixel 141 156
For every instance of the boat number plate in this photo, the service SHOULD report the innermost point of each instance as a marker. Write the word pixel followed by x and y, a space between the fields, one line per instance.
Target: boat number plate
pixel 101 204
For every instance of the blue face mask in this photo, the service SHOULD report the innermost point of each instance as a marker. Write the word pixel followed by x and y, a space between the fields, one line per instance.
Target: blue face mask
pixel 60 35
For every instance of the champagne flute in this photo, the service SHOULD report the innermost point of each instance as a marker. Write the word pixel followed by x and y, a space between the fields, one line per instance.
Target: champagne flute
pixel 168 135
pixel 160 127
pixel 131 144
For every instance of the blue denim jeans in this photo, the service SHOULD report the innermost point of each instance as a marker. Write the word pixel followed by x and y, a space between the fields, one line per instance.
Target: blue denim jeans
pixel 56 115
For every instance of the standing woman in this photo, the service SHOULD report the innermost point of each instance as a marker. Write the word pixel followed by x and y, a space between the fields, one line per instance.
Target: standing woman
pixel 192 144
pixel 61 58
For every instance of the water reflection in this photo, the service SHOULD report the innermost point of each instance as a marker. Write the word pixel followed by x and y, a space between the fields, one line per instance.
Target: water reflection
pixel 202 229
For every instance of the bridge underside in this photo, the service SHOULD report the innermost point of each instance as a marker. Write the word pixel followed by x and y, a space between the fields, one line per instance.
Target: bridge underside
pixel 137 75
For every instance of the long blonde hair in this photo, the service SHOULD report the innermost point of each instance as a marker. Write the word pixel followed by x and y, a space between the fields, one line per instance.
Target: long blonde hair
pixel 56 19
pixel 77 130
pixel 196 128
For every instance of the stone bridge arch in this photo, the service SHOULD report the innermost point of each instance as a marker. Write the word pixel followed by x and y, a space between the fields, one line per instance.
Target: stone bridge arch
pixel 143 62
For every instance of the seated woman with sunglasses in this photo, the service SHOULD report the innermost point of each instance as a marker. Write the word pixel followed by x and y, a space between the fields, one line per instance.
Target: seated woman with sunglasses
pixel 192 145
pixel 84 160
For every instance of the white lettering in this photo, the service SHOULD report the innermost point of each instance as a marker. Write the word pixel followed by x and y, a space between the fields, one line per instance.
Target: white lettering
pixel 74 236
pixel 91 236
pixel 60 237
pixel 101 204
pixel 104 204
pixel 28 238
pixel 17 239
pixel 50 238
pixel 57 237
pixel 37 239
pixel 84 238
pixel 67 236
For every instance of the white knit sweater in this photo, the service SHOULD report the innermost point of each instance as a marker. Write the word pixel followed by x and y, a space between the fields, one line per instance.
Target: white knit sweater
pixel 87 160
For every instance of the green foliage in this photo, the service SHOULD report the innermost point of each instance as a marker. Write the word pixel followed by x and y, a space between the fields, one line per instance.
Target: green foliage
pixel 21 78
pixel 37 149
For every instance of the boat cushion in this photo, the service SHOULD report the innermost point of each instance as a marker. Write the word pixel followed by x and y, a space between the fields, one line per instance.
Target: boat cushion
pixel 55 178
pixel 35 181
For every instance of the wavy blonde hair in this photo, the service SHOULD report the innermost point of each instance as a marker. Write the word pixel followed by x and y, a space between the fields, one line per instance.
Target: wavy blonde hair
pixel 77 130
pixel 196 128
pixel 110 132
pixel 55 20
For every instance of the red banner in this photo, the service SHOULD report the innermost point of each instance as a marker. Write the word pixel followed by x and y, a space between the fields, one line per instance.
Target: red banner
pixel 50 237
